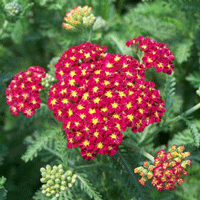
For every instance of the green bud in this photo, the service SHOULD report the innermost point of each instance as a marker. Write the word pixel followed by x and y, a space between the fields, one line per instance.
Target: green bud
pixel 50 182
pixel 42 169
pixel 69 185
pixel 69 173
pixel 43 191
pixel 48 167
pixel 48 194
pixel 69 179
pixel 57 195
pixel 74 176
pixel 43 180
pixel 55 167
pixel 61 171
pixel 57 180
pixel 63 177
pixel 62 187
pixel 48 177
pixel 44 174
pixel 63 182
pixel 73 180
pixel 57 186
pixel 60 166
pixel 53 191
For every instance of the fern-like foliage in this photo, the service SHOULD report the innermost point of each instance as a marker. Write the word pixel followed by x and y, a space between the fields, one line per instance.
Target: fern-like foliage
pixel 194 131
pixel 88 188
pixel 124 162
pixel 189 136
pixel 61 148
pixel 169 96
pixel 37 143
pixel 194 79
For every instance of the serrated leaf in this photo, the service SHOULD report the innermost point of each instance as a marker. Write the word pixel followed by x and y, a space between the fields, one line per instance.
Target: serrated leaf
pixel 38 143
pixel 182 51
pixel 88 187
pixel 194 79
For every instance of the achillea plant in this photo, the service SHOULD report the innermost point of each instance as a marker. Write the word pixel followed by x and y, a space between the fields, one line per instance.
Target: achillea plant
pixel 168 170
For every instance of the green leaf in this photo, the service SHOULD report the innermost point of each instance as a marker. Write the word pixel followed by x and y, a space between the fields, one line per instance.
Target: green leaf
pixel 37 143
pixel 194 79
pixel 189 136
pixel 88 187
pixel 194 131
pixel 182 51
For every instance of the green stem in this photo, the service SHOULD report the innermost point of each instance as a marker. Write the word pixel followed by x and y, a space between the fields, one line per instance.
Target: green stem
pixel 188 112
pixel 52 151
pixel 4 28
pixel 147 155
pixel 90 35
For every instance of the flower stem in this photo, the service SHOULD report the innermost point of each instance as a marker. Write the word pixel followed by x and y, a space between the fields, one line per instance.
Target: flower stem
pixel 147 155
pixel 3 28
pixel 188 112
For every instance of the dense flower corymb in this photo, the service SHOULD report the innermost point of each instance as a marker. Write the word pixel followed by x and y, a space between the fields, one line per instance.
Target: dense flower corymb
pixel 168 170
pixel 155 54
pixel 100 94
pixel 22 94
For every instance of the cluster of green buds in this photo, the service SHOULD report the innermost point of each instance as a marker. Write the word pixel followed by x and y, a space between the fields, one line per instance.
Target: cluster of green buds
pixel 78 17
pixel 55 180
pixel 47 81
pixel 13 11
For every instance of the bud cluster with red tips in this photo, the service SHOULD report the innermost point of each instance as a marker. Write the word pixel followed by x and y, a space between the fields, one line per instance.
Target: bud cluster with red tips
pixel 100 94
pixel 22 94
pixel 155 54
pixel 168 170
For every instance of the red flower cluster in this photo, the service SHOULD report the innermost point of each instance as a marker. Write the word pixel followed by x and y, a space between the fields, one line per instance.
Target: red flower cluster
pixel 100 94
pixel 168 169
pixel 155 54
pixel 22 93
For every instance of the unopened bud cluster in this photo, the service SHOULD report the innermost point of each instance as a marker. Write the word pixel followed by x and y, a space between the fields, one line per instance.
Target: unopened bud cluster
pixel 88 21
pixel 55 180
pixel 47 81
pixel 78 17
pixel 13 10
pixel 168 169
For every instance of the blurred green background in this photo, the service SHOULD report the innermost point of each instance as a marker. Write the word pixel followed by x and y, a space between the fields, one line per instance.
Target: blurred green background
pixel 36 37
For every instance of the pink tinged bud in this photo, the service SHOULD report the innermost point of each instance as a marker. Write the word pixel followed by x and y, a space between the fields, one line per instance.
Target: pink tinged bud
pixel 188 162
pixel 181 148
pixel 185 173
pixel 149 175
pixel 141 181
pixel 173 148
pixel 180 181
pixel 145 164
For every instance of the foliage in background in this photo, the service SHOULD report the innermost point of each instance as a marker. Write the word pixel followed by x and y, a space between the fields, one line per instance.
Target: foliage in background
pixel 34 36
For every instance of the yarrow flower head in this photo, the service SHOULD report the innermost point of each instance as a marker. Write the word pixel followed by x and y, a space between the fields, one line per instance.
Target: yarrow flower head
pixel 155 54
pixel 55 180
pixel 100 94
pixel 168 170
pixel 22 94
pixel 77 17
